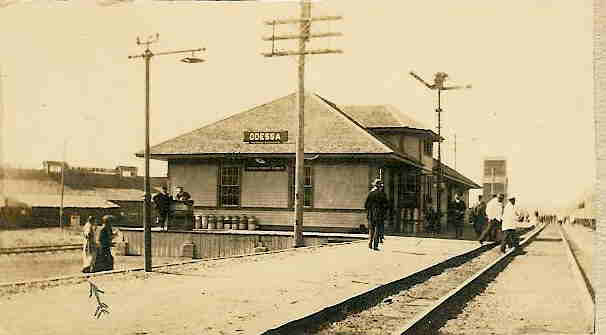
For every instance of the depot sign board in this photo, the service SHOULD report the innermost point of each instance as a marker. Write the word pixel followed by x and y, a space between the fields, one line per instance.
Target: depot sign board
pixel 265 137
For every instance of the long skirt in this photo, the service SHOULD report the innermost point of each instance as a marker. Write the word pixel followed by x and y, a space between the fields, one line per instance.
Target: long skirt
pixel 89 258
pixel 104 260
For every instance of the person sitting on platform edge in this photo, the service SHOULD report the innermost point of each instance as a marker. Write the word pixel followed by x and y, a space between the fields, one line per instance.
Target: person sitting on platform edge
pixel 162 201
pixel 377 205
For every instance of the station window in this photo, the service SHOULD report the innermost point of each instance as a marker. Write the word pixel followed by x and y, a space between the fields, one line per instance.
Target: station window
pixel 428 148
pixel 230 186
pixel 308 190
pixel 308 187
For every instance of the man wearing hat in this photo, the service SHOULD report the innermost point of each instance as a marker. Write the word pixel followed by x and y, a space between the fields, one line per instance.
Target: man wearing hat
pixel 162 201
pixel 377 205
pixel 182 195
pixel 510 219
pixel 494 213
pixel 457 211
pixel 479 216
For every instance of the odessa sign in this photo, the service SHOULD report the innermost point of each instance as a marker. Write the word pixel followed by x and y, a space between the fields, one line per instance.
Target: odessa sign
pixel 266 137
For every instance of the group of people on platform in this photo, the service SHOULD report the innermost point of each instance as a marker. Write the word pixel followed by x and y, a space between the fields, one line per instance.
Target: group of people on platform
pixel 97 252
pixel 486 217
pixel 162 202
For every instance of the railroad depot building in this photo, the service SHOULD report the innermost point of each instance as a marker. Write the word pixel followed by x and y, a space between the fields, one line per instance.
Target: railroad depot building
pixel 244 165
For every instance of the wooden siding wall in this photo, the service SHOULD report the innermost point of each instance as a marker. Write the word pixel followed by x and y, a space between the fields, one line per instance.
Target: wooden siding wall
pixel 211 245
pixel 411 146
pixel 340 186
pixel 265 189
pixel 199 179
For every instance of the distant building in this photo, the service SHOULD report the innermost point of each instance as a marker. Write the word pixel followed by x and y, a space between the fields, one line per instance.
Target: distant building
pixel 87 191
pixel 495 176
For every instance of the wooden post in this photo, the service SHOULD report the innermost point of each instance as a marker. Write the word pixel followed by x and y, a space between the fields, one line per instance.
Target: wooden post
pixel 304 35
pixel 299 157
pixel 147 56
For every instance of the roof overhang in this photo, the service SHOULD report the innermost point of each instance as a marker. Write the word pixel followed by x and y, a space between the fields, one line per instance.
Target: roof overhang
pixel 309 155
pixel 418 131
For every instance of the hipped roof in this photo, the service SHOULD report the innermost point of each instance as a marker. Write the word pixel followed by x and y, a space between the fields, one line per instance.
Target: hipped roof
pixel 454 175
pixel 327 131
pixel 54 200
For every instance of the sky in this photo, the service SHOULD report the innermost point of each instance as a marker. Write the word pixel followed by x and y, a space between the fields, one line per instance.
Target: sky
pixel 68 90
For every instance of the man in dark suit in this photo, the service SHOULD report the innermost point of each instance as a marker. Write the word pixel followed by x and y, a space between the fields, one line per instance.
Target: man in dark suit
pixel 458 209
pixel 377 205
pixel 162 201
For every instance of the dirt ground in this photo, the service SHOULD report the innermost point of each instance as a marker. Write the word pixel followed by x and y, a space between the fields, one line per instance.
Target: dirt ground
pixel 582 241
pixel 236 296
pixel 23 267
pixel 535 294
pixel 39 236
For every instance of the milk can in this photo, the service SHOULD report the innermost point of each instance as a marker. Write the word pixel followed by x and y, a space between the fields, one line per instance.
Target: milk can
pixel 252 223
pixel 235 222
pixel 204 224
pixel 220 222
pixel 212 222
pixel 227 223
pixel 244 219
pixel 242 225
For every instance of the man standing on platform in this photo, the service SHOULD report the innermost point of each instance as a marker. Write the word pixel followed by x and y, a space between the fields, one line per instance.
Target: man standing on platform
pixel 510 221
pixel 479 217
pixel 494 213
pixel 162 201
pixel 458 211
pixel 377 205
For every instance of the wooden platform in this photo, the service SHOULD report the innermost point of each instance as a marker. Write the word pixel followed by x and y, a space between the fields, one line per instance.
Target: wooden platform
pixel 224 243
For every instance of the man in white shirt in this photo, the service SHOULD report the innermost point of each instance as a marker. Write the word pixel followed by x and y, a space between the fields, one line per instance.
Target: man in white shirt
pixel 494 212
pixel 510 222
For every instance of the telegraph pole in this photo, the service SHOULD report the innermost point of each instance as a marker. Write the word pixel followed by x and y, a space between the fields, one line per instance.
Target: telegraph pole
pixel 304 21
pixel 63 166
pixel 147 56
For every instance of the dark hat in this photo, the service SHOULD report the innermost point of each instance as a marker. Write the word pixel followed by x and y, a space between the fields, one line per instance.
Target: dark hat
pixel 108 218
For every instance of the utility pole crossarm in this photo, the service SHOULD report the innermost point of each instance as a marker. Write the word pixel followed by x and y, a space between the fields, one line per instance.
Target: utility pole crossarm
pixel 307 52
pixel 311 19
pixel 421 80
pixel 296 37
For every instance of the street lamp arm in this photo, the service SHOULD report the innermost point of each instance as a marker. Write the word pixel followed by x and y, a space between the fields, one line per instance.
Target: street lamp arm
pixel 178 52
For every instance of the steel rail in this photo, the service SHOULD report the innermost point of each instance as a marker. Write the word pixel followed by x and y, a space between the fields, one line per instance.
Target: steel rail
pixel 375 295
pixel 40 248
pixel 422 321
pixel 587 295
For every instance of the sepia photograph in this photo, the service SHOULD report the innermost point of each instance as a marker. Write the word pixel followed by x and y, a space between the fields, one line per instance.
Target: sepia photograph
pixel 318 167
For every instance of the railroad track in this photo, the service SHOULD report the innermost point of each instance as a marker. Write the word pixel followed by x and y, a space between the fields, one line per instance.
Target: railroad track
pixel 411 305
pixel 39 249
